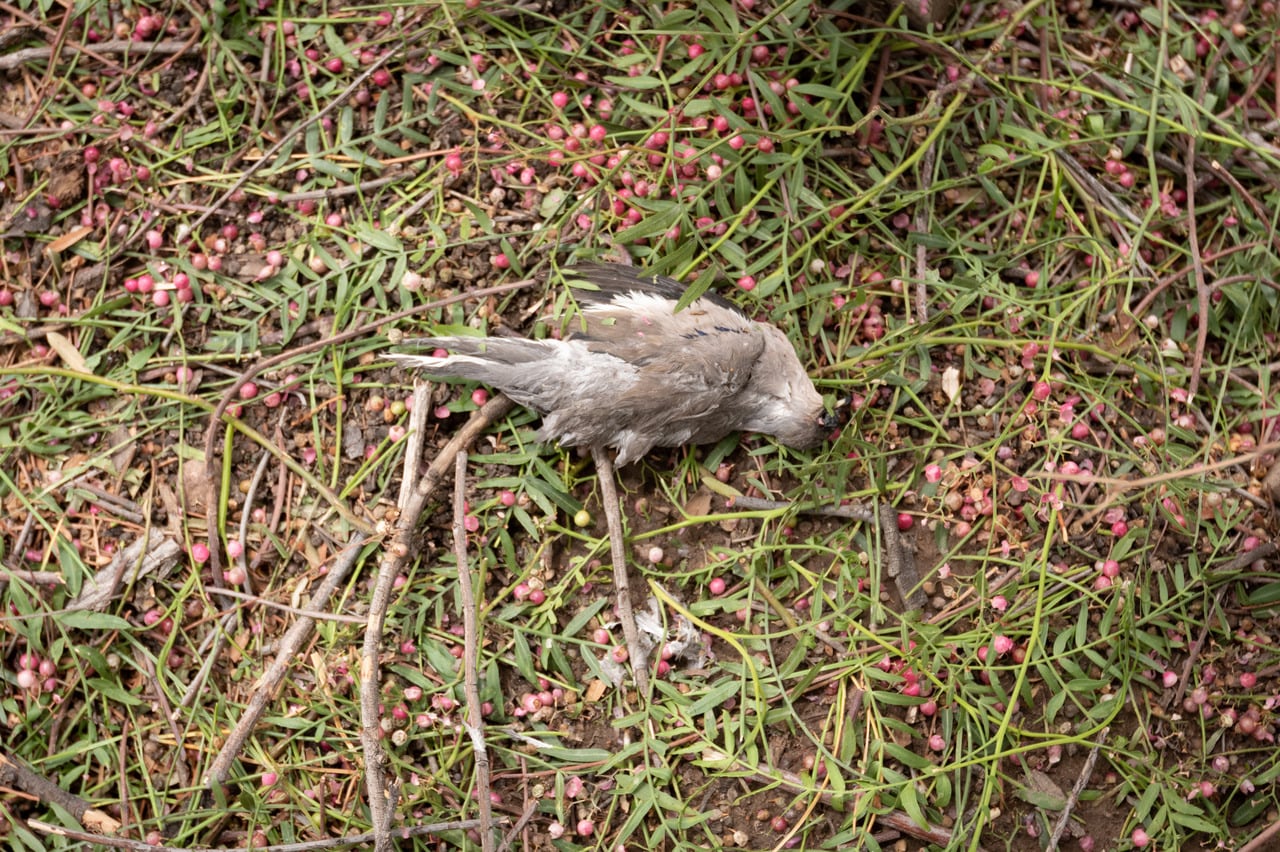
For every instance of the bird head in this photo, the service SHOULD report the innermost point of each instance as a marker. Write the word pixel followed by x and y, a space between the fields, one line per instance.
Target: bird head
pixel 783 401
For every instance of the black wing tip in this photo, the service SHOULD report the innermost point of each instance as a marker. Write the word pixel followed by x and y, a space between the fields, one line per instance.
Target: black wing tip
pixel 605 280
pixel 611 278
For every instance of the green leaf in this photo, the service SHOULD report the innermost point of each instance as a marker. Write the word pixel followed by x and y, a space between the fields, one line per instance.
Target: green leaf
pixel 1194 823
pixel 909 801
pixel 656 224
pixel 111 690
pixel 1250 810
pixel 640 82
pixel 1264 595
pixel 85 620
pixel 714 697
pixel 333 170
pixel 376 238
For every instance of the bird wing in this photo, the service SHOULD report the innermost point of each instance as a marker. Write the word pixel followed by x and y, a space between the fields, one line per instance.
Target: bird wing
pixel 709 345
pixel 611 280
pixel 690 365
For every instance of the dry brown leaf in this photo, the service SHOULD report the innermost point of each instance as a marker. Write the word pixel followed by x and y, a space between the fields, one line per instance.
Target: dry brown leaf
pixel 699 504
pixel 596 690
pixel 67 240
pixel 67 351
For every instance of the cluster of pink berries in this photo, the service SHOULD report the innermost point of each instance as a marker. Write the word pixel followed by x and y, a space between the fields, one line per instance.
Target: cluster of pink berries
pixel 35 674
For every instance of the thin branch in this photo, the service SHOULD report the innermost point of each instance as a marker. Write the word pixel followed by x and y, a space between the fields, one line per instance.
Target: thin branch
pixel 1197 266
pixel 621 583
pixel 309 846
pixel 19 58
pixel 1263 840
pixel 302 612
pixel 290 643
pixel 365 329
pixel 396 551
pixel 16 775
pixel 471 646
pixel 1076 790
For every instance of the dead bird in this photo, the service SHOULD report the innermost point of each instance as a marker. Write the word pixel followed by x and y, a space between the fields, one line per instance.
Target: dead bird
pixel 637 374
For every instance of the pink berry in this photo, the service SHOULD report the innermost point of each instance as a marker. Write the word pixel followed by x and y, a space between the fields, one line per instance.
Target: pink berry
pixel 717 586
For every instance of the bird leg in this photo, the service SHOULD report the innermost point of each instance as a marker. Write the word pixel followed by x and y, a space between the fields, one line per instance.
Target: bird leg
pixel 617 547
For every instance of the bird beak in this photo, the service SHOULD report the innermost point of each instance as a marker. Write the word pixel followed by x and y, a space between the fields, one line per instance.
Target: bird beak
pixel 838 417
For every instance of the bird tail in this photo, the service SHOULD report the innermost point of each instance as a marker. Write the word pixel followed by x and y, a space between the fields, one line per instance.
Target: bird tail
pixel 492 360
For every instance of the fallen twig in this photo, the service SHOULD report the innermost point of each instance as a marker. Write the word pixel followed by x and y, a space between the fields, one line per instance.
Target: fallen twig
pixel 471 646
pixel 230 395
pixel 35 578
pixel 16 775
pixel 309 846
pixel 19 58
pixel 1085 774
pixel 393 556
pixel 621 584
pixel 856 513
pixel 151 552
pixel 268 682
